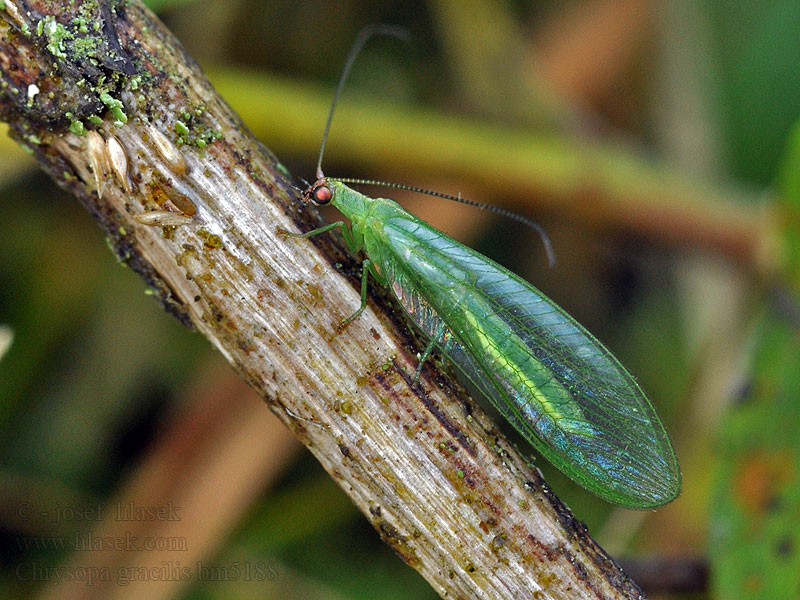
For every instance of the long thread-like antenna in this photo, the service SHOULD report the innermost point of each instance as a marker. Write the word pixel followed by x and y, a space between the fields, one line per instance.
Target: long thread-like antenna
pixel 548 248
pixel 362 38
pixel 398 32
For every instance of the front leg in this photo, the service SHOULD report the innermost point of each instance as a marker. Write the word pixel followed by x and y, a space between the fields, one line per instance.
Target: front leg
pixel 314 232
pixel 351 240
pixel 367 266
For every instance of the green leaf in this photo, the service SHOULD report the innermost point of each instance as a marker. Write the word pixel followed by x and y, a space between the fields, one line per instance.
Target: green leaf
pixel 755 514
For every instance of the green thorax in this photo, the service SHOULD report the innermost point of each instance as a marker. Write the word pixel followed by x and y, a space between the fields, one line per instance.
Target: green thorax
pixel 367 215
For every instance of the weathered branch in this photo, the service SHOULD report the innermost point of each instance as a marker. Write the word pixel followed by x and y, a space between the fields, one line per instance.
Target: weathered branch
pixel 195 205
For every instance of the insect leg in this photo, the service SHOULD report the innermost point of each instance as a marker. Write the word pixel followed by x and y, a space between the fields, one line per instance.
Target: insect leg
pixel 367 267
pixel 316 231
pixel 428 349
pixel 347 233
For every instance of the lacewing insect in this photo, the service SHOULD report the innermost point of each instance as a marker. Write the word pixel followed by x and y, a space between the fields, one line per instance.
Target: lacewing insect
pixel 552 379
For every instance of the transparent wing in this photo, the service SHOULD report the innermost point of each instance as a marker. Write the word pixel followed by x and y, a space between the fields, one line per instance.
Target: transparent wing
pixel 552 379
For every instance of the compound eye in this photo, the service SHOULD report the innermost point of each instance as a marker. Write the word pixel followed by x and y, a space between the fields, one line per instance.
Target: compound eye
pixel 322 194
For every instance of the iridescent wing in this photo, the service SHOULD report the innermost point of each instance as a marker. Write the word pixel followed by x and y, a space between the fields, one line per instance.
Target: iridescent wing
pixel 545 373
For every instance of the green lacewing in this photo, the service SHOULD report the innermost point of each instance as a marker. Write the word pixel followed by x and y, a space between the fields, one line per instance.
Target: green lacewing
pixel 564 392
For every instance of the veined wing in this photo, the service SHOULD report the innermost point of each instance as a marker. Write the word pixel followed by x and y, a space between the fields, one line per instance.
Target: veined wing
pixel 552 379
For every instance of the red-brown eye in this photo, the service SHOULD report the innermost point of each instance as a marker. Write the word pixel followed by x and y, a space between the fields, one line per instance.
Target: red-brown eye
pixel 322 194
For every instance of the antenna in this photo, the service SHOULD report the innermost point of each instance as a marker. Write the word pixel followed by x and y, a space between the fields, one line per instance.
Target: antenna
pixel 548 248
pixel 364 35
pixel 362 38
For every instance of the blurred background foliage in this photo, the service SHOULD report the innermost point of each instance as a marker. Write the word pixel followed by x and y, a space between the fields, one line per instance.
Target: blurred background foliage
pixel 647 137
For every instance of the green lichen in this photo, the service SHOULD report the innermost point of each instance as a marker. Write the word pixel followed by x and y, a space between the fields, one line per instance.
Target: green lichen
pixel 115 106
pixel 181 128
pixel 94 120
pixel 76 39
pixel 2 4
pixel 87 48
pixel 55 33
pixel 77 127
pixel 213 134
pixel 192 131
pixel 80 23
